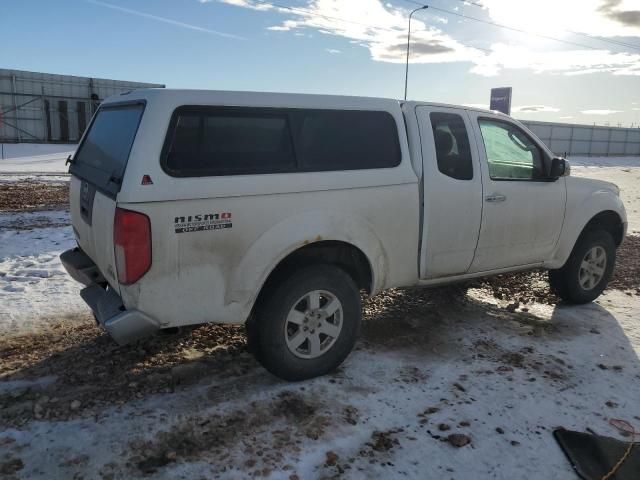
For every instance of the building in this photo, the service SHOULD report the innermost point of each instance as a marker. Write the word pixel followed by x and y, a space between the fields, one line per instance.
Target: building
pixel 587 140
pixel 47 108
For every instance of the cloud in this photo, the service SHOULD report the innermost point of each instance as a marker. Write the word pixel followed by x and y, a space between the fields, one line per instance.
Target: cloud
pixel 568 117
pixel 245 4
pixel 164 19
pixel 332 50
pixel 382 27
pixel 608 18
pixel 615 10
pixel 419 48
pixel 534 109
pixel 567 62
pixel 370 23
pixel 600 112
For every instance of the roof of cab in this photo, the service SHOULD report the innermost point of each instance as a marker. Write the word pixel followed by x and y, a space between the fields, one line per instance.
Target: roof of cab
pixel 242 98
pixel 447 105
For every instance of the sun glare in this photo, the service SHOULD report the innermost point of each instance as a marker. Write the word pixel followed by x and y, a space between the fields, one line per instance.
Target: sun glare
pixel 546 17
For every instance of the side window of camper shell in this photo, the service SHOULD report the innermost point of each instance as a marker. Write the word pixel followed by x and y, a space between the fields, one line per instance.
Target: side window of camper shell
pixel 216 141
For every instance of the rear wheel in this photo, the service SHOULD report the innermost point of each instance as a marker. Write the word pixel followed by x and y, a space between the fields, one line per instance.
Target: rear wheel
pixel 308 324
pixel 588 270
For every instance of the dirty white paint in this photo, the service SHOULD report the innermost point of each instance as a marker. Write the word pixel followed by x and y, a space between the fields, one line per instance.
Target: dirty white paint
pixel 216 275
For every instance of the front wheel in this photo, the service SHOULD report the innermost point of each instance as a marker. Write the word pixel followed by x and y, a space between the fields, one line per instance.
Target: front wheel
pixel 588 270
pixel 308 324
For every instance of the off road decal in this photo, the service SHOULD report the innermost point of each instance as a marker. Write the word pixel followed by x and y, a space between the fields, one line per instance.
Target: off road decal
pixel 199 223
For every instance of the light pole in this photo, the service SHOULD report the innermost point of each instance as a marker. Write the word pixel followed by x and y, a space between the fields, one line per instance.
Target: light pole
pixel 406 73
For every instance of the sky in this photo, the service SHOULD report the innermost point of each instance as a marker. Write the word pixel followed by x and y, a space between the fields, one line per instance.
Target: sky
pixel 575 61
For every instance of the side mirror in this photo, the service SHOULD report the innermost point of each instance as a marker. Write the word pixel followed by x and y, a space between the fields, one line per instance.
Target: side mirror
pixel 559 168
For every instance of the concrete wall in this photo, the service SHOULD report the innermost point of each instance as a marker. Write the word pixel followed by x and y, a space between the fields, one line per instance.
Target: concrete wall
pixel 43 107
pixel 587 140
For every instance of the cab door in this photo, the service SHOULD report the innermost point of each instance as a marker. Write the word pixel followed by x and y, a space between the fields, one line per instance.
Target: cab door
pixel 523 209
pixel 452 192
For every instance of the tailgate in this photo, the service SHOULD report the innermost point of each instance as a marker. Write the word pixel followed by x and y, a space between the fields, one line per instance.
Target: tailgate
pixel 92 215
pixel 97 170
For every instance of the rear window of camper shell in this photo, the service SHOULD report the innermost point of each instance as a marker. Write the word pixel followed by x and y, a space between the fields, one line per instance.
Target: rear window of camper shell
pixel 104 151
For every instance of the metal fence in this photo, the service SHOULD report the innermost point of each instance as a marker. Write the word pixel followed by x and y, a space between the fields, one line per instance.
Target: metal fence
pixel 587 140
pixel 48 108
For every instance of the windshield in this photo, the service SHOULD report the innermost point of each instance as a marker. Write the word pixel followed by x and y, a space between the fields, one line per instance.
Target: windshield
pixel 103 154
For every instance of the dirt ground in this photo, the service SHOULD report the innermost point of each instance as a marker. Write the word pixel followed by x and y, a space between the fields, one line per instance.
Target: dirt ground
pixel 33 195
pixel 527 287
pixel 193 396
pixel 114 375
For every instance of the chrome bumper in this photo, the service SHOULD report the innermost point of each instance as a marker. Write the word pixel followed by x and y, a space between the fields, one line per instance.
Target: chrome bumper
pixel 124 326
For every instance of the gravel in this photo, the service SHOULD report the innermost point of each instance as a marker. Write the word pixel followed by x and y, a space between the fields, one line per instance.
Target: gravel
pixel 528 287
pixel 115 375
pixel 110 374
pixel 32 195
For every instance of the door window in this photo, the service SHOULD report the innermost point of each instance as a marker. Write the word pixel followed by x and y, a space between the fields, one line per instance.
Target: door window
pixel 511 154
pixel 452 145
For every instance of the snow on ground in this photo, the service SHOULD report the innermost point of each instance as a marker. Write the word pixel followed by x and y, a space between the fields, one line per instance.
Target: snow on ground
pixel 52 163
pixel 626 161
pixel 33 283
pixel 17 150
pixel 7 178
pixel 429 364
pixel 503 380
pixel 41 162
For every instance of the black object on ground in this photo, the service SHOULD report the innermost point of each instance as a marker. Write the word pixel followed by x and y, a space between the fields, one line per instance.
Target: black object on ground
pixel 594 456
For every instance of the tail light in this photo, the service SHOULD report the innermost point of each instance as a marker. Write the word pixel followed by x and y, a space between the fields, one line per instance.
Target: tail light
pixel 132 243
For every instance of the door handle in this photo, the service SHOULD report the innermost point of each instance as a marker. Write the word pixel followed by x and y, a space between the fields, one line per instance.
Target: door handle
pixel 494 198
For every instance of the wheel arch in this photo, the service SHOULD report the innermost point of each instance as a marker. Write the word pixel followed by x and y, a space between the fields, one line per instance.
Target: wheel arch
pixel 341 254
pixel 608 220
pixel 337 238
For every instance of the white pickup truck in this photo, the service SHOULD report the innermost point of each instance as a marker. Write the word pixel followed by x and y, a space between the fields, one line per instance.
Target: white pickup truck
pixel 277 210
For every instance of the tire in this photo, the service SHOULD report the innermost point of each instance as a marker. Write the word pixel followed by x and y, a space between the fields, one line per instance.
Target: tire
pixel 252 336
pixel 575 284
pixel 283 345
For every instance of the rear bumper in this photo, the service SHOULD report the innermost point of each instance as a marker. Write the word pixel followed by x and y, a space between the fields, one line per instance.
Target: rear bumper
pixel 123 325
pixel 81 268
